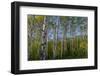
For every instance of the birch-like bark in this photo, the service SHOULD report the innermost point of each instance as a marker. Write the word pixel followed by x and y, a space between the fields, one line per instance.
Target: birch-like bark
pixel 44 41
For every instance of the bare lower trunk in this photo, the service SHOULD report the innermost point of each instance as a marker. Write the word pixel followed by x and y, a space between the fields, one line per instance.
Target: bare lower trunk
pixel 61 48
pixel 55 43
pixel 44 41
pixel 65 46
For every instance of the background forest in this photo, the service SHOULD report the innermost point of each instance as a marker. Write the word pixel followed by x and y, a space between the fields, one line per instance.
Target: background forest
pixel 57 37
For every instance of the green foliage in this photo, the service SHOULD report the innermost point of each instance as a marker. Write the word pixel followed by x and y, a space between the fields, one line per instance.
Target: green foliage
pixel 34 52
pixel 59 49
pixel 30 20
pixel 79 51
pixel 50 49
pixel 39 19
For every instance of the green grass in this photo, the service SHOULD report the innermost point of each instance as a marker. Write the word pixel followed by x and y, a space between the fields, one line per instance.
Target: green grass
pixel 75 49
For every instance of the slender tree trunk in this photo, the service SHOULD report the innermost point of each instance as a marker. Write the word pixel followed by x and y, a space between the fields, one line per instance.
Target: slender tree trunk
pixel 62 45
pixel 70 39
pixel 55 42
pixel 31 39
pixel 44 41
pixel 65 40
pixel 57 30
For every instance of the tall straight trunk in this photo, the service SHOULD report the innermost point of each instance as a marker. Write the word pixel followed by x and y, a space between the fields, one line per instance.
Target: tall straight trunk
pixel 76 42
pixel 65 40
pixel 74 38
pixel 57 30
pixel 44 41
pixel 70 39
pixel 40 50
pixel 63 43
pixel 55 37
pixel 55 42
pixel 71 43
pixel 61 47
pixel 30 39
